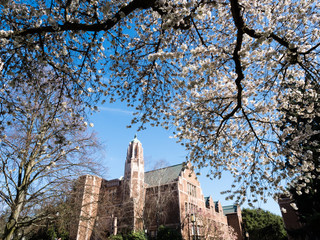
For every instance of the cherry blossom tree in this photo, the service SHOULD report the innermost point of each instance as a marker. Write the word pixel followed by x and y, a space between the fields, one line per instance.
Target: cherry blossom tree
pixel 44 146
pixel 218 70
pixel 206 227
pixel 302 146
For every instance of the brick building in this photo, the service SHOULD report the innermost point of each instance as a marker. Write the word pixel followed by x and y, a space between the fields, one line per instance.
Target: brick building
pixel 290 217
pixel 142 201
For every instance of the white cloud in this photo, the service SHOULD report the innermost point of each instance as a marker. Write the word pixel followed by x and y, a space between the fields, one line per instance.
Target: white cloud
pixel 116 110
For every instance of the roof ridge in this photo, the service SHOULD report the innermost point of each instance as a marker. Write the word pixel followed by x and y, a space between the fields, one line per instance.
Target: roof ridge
pixel 231 205
pixel 164 168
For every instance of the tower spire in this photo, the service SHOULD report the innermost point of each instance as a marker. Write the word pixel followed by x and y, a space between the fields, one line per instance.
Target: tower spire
pixel 135 139
pixel 134 181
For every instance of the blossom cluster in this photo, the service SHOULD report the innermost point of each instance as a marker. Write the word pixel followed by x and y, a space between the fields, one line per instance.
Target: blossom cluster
pixel 225 74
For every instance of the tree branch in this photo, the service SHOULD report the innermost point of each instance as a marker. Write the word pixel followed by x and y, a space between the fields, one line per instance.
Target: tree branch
pixel 238 21
pixel 104 26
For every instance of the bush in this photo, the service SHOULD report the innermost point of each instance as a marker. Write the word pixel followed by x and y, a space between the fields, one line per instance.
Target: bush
pixel 115 237
pixel 165 233
pixel 135 236
pixel 45 233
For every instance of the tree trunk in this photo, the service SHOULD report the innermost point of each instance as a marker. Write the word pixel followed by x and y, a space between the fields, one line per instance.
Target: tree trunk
pixel 11 225
pixel 9 229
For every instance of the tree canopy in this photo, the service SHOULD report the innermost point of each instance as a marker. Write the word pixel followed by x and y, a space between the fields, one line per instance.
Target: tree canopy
pixel 306 190
pixel 44 147
pixel 263 225
pixel 217 70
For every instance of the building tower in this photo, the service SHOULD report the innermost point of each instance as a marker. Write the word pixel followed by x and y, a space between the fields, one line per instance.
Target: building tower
pixel 134 191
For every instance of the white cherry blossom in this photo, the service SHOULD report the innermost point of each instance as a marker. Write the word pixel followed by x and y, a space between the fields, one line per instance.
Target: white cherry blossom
pixel 225 73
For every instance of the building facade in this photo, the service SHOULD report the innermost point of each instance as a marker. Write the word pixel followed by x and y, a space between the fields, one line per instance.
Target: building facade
pixel 143 201
pixel 290 217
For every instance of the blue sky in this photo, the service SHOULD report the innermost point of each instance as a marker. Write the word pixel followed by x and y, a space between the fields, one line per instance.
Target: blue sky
pixel 110 124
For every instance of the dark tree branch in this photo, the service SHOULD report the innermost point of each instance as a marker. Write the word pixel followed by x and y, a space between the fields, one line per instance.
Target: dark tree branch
pixel 197 30
pixel 238 21
pixel 104 26
pixel 311 49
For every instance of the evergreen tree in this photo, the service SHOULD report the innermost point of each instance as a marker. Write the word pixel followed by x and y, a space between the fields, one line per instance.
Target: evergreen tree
pixel 263 225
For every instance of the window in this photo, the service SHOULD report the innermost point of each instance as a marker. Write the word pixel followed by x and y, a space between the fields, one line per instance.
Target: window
pixel 192 208
pixel 192 190
pixel 186 207
pixel 153 234
pixel 112 193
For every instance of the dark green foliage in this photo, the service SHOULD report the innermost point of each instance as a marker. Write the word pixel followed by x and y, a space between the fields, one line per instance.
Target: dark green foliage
pixel 263 225
pixel 116 237
pixel 129 236
pixel 165 233
pixel 56 225
pixel 135 236
pixel 49 233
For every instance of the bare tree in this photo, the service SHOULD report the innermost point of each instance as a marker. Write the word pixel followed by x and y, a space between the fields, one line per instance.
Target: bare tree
pixel 44 146
pixel 113 214
pixel 208 228
pixel 161 206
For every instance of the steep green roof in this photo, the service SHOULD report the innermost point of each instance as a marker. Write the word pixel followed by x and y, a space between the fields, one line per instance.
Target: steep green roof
pixel 229 209
pixel 163 175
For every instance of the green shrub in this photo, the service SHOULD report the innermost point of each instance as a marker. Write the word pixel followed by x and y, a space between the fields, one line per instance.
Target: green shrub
pixel 165 233
pixel 115 237
pixel 135 236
